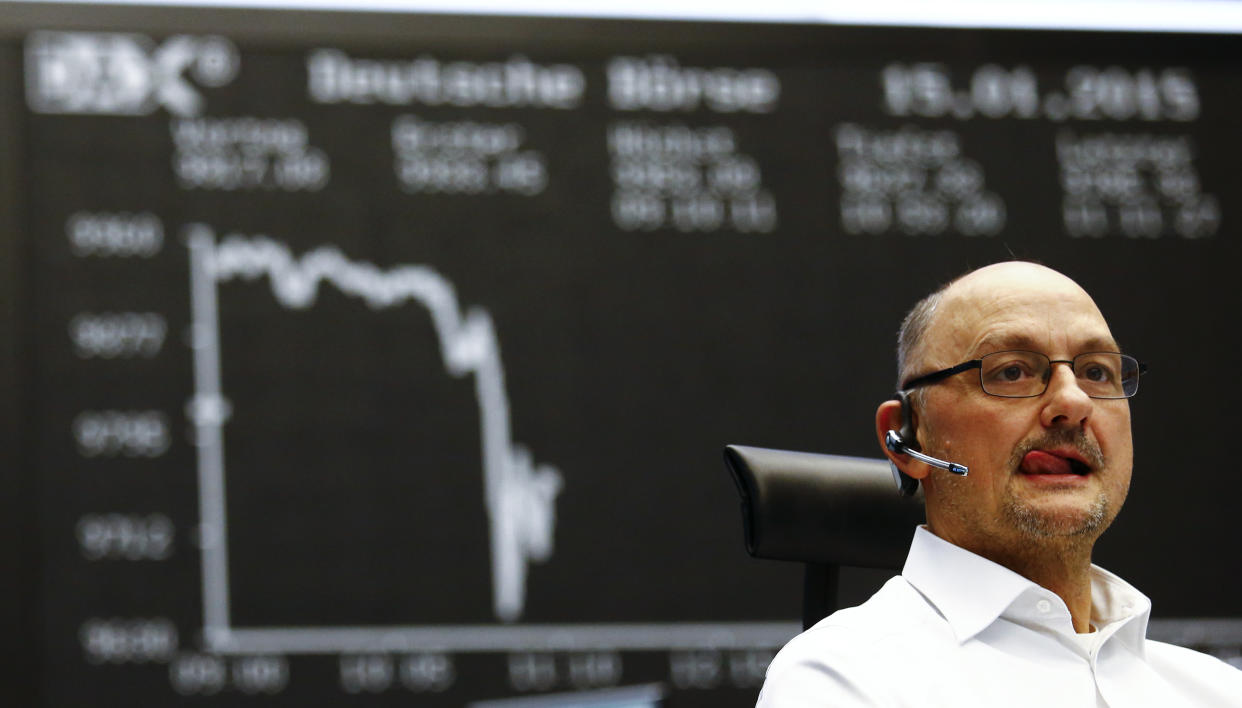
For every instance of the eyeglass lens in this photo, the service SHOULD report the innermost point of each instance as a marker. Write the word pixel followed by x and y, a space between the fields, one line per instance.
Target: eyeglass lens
pixel 1021 374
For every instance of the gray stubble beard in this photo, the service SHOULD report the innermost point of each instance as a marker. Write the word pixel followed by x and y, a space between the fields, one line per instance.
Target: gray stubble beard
pixel 1044 525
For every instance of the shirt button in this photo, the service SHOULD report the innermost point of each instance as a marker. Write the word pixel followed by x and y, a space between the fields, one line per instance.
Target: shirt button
pixel 1044 606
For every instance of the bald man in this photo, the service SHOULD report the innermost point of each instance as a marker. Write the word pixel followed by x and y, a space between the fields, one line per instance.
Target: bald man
pixel 1012 371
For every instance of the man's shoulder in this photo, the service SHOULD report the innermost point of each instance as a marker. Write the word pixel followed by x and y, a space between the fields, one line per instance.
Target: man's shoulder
pixel 1190 668
pixel 852 653
pixel 896 615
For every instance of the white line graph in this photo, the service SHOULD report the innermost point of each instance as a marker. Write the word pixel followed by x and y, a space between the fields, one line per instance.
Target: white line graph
pixel 520 495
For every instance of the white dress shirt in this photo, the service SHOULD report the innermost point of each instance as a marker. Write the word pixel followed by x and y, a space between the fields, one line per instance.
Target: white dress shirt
pixel 955 629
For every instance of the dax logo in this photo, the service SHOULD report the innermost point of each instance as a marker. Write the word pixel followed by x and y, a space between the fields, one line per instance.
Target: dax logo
pixel 123 74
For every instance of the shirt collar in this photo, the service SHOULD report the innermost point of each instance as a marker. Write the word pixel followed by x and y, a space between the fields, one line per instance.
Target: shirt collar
pixel 971 592
pixel 1114 601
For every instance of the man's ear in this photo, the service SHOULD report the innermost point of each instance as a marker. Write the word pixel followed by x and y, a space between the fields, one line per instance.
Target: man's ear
pixel 888 417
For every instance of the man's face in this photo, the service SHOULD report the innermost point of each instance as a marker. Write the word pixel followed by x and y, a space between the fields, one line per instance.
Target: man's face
pixel 1053 466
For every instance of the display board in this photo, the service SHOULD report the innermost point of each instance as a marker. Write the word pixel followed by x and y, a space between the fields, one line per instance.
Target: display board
pixel 388 359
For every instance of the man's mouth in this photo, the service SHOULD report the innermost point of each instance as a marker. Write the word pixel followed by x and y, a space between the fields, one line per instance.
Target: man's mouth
pixel 1054 462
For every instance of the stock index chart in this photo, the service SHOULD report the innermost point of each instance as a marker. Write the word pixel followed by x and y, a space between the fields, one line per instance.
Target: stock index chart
pixel 387 360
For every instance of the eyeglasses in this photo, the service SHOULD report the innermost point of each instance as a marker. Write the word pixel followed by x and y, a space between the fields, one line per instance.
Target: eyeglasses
pixel 1023 374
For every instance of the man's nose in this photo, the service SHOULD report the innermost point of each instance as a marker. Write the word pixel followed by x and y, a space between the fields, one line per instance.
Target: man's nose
pixel 1065 403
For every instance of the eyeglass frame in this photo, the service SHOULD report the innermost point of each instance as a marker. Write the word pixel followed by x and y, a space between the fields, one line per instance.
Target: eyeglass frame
pixel 941 375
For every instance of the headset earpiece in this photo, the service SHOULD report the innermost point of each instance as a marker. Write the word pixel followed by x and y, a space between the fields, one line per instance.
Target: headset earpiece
pixel 907 486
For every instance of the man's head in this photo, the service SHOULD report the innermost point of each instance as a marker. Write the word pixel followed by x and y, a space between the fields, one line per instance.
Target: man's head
pixel 1046 470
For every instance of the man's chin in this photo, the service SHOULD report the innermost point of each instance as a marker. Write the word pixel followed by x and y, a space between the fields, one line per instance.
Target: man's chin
pixel 1059 518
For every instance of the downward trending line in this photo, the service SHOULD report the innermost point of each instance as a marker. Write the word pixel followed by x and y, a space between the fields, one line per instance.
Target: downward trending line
pixel 520 496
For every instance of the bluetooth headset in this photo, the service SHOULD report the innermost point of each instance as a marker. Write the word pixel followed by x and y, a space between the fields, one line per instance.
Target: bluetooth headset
pixel 896 442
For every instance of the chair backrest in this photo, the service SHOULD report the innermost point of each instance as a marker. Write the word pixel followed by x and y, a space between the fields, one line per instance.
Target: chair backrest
pixel 822 510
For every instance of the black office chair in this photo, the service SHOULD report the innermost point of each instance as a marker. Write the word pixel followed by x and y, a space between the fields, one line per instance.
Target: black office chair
pixel 825 511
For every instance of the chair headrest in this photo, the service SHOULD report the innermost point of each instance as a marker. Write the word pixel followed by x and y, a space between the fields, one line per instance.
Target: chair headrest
pixel 802 506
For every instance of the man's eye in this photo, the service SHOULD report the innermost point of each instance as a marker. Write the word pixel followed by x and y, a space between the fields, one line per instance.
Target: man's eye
pixel 1011 373
pixel 1097 373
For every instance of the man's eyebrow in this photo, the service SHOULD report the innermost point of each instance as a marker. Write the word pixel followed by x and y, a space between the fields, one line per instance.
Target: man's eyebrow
pixel 1006 341
pixel 1100 344
pixel 1003 342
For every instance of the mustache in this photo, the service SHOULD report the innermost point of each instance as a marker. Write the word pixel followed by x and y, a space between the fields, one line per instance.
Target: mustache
pixel 1060 438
